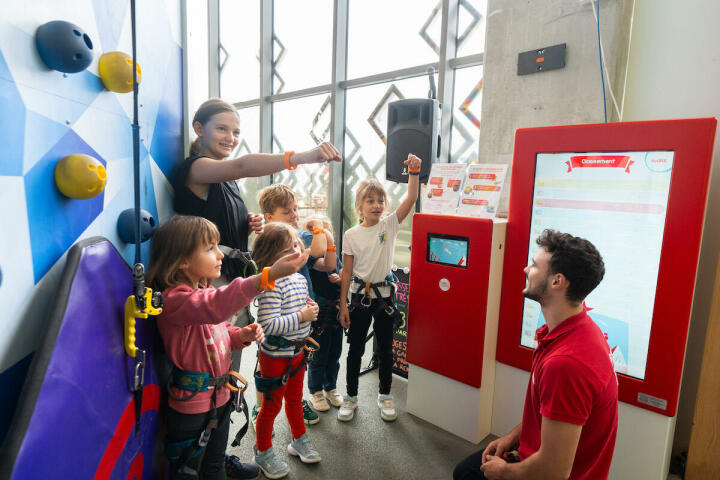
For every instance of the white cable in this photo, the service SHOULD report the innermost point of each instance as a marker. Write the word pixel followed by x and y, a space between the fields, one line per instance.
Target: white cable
pixel 627 61
pixel 604 65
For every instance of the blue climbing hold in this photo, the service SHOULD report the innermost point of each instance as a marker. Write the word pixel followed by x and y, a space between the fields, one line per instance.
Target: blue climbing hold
pixel 64 47
pixel 126 225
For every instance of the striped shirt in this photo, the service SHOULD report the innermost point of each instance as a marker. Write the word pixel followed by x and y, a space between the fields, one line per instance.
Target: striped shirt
pixel 279 313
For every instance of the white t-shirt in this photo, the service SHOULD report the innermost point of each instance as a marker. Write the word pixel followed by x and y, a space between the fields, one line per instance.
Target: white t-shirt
pixel 372 249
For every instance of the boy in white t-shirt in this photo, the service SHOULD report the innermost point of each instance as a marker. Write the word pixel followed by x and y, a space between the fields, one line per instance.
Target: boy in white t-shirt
pixel 367 259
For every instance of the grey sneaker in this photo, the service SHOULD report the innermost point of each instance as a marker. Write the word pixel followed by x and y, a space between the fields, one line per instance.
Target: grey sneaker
pixel 271 466
pixel 387 408
pixel 347 410
pixel 309 415
pixel 304 449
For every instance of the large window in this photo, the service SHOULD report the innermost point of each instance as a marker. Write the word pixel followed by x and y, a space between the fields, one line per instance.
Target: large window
pixel 301 73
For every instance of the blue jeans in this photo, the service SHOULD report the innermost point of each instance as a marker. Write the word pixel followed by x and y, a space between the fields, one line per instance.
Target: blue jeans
pixel 325 364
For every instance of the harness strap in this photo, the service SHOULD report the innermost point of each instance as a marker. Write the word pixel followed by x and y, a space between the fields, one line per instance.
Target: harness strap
pixel 270 384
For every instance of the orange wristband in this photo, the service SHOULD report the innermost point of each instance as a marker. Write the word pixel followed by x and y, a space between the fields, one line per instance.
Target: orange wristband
pixel 317 231
pixel 286 159
pixel 264 284
pixel 413 171
pixel 332 248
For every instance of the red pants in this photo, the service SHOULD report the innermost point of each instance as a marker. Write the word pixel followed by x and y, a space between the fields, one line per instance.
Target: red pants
pixel 272 403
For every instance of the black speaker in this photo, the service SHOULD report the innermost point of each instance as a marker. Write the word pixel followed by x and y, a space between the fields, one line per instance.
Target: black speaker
pixel 412 128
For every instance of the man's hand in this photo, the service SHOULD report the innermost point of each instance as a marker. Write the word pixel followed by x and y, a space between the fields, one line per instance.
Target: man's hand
pixel 493 467
pixel 499 446
pixel 334 278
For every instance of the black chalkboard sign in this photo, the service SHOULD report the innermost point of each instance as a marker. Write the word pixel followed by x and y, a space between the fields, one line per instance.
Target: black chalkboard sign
pixel 399 348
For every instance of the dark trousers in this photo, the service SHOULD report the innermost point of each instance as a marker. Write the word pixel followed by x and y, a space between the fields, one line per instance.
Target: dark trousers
pixel 469 468
pixel 325 363
pixel 211 462
pixel 360 319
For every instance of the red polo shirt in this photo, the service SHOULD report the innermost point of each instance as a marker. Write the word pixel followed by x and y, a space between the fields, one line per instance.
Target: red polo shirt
pixel 573 380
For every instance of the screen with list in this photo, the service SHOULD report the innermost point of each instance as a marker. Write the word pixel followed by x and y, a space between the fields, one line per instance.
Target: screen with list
pixel 618 201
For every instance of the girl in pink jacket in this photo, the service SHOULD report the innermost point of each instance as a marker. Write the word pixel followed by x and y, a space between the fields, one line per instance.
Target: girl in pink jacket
pixel 198 339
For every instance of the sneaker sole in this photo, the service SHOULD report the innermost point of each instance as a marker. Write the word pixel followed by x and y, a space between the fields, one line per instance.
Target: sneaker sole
pixel 321 409
pixel 269 475
pixel 385 417
pixel 311 422
pixel 346 419
pixel 291 450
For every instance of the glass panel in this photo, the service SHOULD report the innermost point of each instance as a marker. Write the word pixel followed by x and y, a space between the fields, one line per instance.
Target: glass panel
pixel 249 143
pixel 197 57
pixel 378 41
pixel 300 125
pixel 240 35
pixel 365 133
pixel 302 48
pixel 465 136
pixel 471 27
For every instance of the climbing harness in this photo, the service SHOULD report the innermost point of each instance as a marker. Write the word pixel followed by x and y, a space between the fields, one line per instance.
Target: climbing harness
pixel 180 453
pixel 307 346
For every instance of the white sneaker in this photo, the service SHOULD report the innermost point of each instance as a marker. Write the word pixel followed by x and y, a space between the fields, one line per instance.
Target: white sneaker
pixel 334 397
pixel 387 408
pixel 317 400
pixel 347 410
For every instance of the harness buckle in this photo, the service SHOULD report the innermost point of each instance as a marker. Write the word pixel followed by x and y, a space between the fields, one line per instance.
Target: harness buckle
pixel 285 377
pixel 389 310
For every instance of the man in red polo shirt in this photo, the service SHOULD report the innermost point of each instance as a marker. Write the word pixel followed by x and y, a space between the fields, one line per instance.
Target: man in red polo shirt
pixel 570 418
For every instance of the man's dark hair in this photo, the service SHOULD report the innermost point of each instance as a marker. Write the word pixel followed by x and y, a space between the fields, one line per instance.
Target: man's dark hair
pixel 577 259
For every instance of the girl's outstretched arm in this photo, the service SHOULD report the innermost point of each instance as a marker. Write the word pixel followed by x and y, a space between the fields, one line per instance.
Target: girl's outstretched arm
pixel 408 203
pixel 206 170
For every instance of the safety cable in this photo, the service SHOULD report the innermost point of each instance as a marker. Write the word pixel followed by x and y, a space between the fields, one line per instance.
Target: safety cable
pixel 136 138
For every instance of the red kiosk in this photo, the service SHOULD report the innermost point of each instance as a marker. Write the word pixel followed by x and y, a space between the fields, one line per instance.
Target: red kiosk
pixel 638 192
pixel 455 274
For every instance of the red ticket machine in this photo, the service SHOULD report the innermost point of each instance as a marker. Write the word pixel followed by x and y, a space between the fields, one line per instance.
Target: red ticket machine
pixel 455 277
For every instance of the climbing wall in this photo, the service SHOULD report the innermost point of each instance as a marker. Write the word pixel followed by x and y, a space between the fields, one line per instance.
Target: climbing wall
pixel 47 115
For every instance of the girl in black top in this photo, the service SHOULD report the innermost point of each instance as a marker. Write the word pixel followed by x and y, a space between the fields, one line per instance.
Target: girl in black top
pixel 205 182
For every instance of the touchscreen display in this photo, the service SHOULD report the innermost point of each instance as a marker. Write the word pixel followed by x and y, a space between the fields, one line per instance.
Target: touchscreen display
pixel 618 201
pixel 448 250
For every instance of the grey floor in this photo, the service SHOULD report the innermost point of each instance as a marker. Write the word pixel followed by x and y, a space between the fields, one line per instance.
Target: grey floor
pixel 367 447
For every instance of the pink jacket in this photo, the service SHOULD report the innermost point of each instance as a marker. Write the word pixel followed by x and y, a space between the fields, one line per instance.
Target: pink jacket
pixel 198 338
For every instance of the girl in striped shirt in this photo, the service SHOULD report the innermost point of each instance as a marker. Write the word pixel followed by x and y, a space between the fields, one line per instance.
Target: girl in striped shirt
pixel 285 313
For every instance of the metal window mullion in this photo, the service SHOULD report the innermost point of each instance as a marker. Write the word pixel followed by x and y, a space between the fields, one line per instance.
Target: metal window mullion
pixel 266 71
pixel 446 74
pixel 384 77
pixel 213 48
pixel 336 188
pixel 306 92
pixel 467 61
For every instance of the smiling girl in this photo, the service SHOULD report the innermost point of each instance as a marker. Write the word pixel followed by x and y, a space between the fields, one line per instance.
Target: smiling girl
pixel 367 259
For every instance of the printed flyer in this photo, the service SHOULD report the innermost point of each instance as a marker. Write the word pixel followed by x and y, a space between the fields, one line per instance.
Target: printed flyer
pixel 443 188
pixel 481 190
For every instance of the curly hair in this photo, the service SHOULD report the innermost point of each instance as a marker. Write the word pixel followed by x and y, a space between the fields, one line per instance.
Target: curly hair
pixel 577 259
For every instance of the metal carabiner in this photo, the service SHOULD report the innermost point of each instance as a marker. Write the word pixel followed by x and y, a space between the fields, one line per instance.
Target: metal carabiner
pixel 363 299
